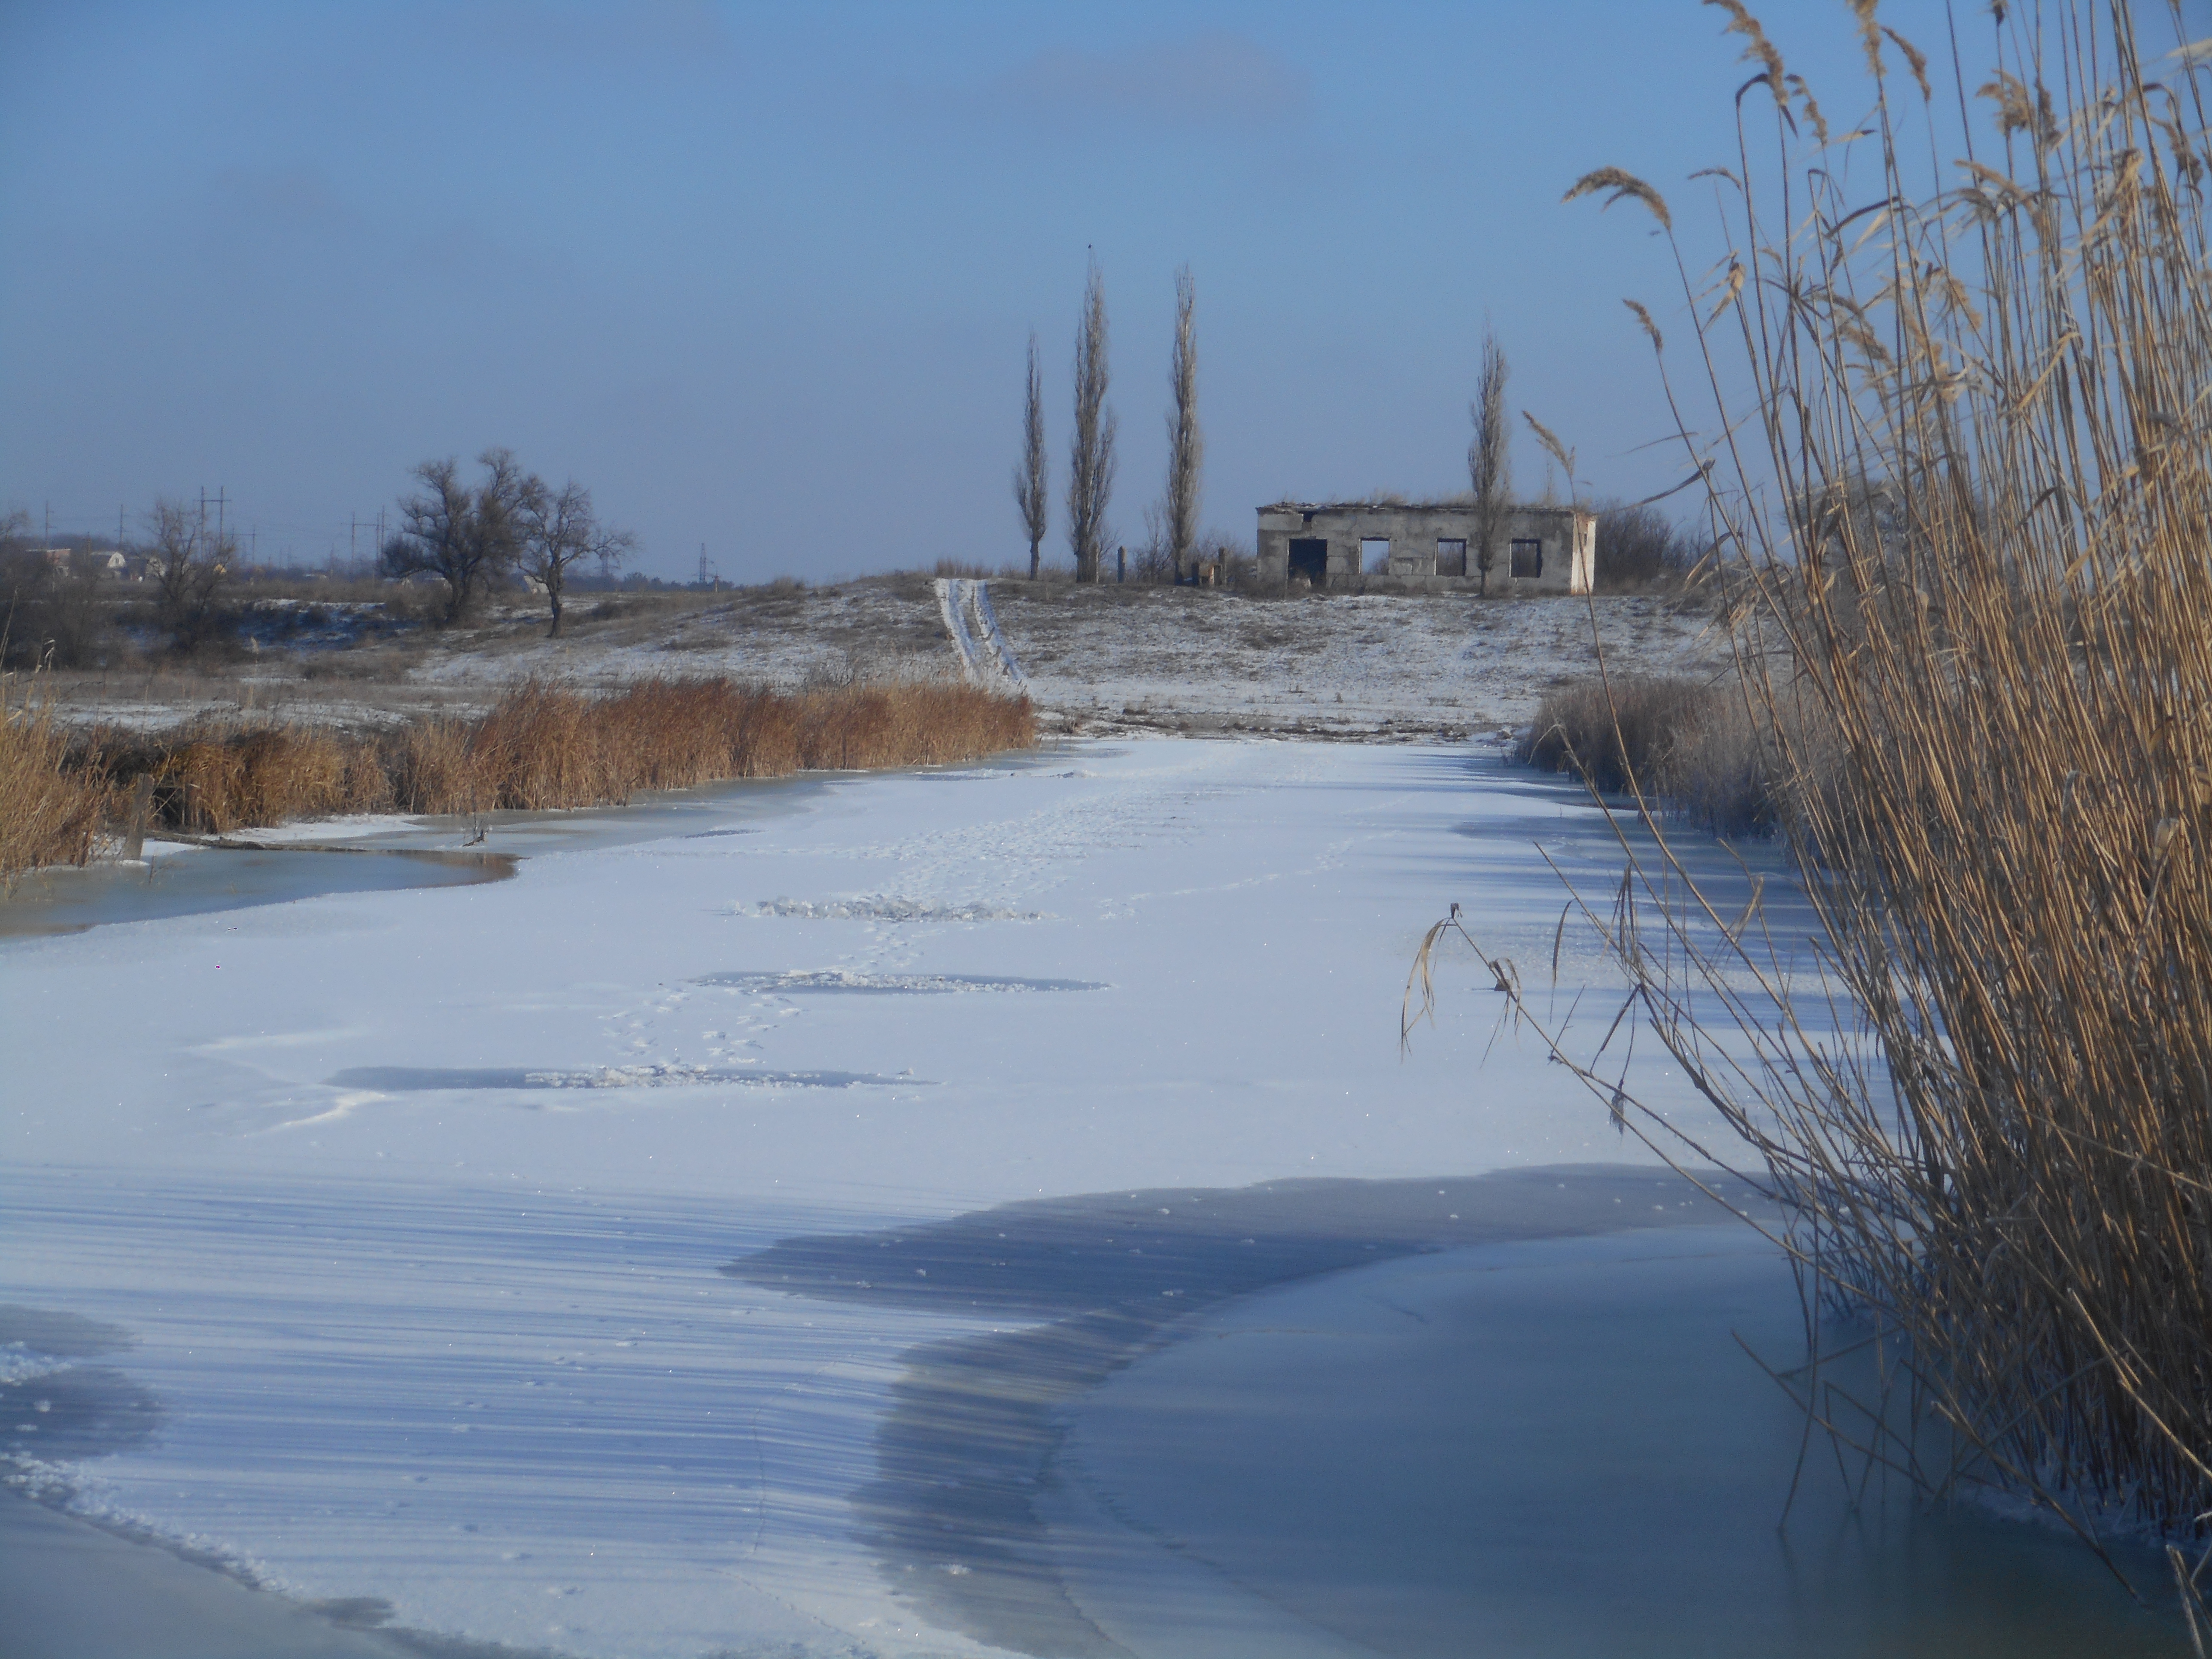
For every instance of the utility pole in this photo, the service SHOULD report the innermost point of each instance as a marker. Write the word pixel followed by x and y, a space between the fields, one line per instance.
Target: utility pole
pixel 221 501
pixel 119 526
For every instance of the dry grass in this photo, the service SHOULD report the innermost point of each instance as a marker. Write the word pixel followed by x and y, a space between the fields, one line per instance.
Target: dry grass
pixel 544 745
pixel 1977 534
pixel 1621 736
pixel 50 812
pixel 1700 748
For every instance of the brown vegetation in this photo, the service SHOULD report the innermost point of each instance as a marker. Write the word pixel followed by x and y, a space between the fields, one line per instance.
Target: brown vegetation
pixel 1975 536
pixel 1639 547
pixel 49 810
pixel 1699 748
pixel 541 746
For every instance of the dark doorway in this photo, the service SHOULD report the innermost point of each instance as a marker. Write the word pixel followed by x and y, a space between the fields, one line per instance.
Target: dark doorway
pixel 1310 559
pixel 1528 558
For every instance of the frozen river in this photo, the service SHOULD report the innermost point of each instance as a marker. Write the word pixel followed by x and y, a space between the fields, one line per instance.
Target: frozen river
pixel 416 1252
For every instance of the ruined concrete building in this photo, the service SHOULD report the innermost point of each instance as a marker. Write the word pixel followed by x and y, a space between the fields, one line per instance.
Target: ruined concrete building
pixel 1425 546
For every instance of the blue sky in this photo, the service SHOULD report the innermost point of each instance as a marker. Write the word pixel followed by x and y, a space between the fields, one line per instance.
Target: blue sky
pixel 762 276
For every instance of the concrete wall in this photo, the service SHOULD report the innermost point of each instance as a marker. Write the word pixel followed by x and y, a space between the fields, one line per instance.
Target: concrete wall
pixel 1567 536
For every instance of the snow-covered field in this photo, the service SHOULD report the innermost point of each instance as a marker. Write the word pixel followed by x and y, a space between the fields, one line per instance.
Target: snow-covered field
pixel 1097 659
pixel 414 1203
pixel 1109 659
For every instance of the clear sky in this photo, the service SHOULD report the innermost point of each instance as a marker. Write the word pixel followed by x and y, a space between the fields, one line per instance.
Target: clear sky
pixel 762 275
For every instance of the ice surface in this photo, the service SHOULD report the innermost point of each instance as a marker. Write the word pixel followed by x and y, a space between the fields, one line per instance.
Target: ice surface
pixel 1558 1451
pixel 425 1320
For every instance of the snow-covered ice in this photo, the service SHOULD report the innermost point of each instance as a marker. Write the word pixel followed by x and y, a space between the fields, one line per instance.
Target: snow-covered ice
pixel 414 1202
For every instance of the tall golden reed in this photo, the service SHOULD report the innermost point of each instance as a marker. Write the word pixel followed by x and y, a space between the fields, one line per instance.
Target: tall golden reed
pixel 50 812
pixel 1973 497
pixel 544 745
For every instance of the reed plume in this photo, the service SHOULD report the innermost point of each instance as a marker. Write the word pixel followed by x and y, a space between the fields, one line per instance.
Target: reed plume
pixel 1971 506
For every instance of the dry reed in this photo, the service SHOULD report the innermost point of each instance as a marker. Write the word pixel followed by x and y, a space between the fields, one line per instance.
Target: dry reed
pixel 1977 530
pixel 1699 747
pixel 50 812
pixel 544 745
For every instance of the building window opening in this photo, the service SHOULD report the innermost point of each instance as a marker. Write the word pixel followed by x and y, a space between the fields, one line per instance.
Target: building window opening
pixel 1375 554
pixel 1310 559
pixel 1527 558
pixel 1451 556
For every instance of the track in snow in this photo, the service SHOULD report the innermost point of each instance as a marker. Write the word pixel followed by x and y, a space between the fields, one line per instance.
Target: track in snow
pixel 985 656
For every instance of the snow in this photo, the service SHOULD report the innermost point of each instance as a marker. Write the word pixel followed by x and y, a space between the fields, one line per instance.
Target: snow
pixel 1097 659
pixel 415 1200
pixel 965 606
pixel 345 827
pixel 973 627
pixel 1111 658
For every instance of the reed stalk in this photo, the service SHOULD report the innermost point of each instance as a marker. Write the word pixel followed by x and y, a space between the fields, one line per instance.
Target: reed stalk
pixel 1971 501
pixel 542 745
pixel 50 812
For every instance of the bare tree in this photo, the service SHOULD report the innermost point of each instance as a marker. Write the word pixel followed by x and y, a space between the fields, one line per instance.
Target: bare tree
pixel 554 531
pixel 1155 560
pixel 1032 481
pixel 467 535
pixel 1639 545
pixel 1185 444
pixel 188 564
pixel 1090 483
pixel 1490 457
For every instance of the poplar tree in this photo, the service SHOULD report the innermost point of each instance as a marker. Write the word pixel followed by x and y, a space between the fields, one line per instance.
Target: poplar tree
pixel 1090 481
pixel 1490 457
pixel 1185 444
pixel 1031 483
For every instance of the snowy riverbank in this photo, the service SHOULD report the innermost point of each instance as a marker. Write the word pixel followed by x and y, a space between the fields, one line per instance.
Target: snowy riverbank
pixel 416 1202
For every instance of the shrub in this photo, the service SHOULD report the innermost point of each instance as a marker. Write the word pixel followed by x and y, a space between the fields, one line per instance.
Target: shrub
pixel 1700 750
pixel 1639 546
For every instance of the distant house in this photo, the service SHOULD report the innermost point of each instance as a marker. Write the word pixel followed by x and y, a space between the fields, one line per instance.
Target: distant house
pixel 1426 547
pixel 98 562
